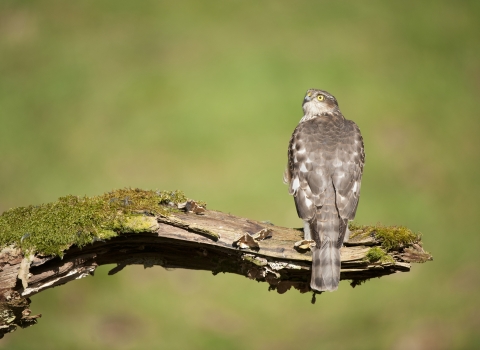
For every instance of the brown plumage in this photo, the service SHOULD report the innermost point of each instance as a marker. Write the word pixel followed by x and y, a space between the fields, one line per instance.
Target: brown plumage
pixel 324 173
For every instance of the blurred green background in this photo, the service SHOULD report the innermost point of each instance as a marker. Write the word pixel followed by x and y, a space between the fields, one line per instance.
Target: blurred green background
pixel 203 97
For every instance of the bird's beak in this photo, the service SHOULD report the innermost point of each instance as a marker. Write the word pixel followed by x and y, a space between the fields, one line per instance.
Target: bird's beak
pixel 307 99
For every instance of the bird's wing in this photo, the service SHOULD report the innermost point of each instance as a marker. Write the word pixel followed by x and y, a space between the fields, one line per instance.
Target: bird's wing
pixel 306 170
pixel 348 171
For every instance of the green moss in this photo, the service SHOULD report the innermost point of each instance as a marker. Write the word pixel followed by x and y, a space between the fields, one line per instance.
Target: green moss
pixel 355 228
pixel 391 237
pixel 51 228
pixel 377 254
pixel 138 223
pixel 255 260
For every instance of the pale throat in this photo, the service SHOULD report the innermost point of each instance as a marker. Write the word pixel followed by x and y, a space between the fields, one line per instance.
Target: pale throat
pixel 312 110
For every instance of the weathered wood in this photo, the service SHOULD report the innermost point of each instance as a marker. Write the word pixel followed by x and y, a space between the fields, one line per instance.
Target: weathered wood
pixel 187 240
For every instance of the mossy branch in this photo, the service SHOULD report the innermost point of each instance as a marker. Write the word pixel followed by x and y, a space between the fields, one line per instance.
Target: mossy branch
pixel 52 244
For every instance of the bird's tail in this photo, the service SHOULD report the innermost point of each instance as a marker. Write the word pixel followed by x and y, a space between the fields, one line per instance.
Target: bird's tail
pixel 325 267
pixel 328 234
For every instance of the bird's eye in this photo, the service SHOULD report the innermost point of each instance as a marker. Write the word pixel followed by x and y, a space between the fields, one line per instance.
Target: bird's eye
pixel 320 97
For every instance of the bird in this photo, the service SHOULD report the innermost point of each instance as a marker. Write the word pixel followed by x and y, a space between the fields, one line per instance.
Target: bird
pixel 324 172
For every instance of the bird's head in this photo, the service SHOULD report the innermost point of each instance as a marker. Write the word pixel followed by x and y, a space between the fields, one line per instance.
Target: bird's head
pixel 318 102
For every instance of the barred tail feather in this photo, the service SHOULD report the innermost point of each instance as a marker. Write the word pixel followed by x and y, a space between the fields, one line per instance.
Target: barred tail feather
pixel 328 231
pixel 326 267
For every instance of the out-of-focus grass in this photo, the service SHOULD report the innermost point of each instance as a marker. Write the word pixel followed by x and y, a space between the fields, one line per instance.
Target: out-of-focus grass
pixel 203 97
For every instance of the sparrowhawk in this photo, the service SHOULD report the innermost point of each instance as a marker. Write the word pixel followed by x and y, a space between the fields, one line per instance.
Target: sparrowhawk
pixel 324 172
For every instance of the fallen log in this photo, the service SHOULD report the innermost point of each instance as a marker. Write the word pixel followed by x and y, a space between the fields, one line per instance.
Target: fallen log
pixel 165 229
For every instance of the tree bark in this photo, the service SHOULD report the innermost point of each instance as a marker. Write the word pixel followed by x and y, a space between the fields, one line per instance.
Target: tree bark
pixel 212 241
